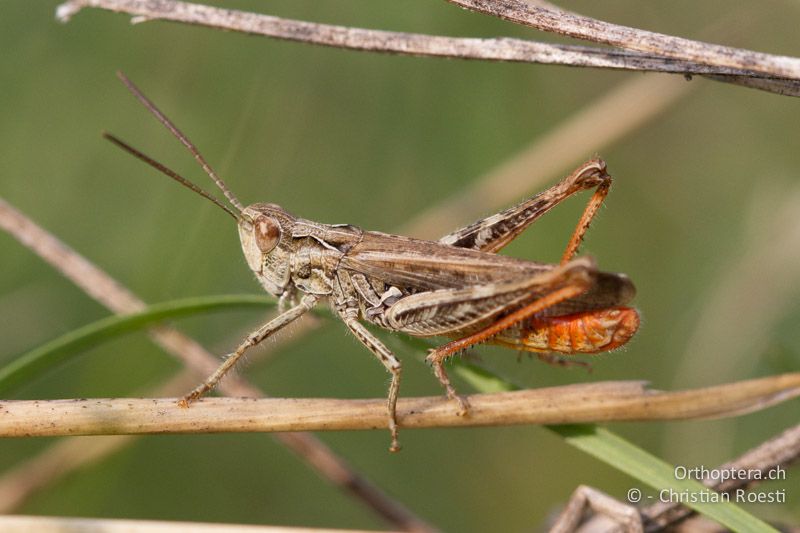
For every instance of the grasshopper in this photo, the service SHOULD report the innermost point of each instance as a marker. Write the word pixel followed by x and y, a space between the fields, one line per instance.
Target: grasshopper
pixel 456 287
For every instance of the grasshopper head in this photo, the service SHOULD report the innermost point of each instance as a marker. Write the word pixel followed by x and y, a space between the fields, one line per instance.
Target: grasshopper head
pixel 265 231
pixel 261 226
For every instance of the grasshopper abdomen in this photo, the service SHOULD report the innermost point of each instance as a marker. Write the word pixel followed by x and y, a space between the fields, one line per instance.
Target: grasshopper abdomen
pixel 586 332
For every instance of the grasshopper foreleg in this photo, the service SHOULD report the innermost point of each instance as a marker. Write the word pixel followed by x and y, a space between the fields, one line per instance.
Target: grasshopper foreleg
pixel 350 318
pixel 308 301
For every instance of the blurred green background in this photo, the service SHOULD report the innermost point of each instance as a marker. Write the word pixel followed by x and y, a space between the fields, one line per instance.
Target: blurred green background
pixel 704 216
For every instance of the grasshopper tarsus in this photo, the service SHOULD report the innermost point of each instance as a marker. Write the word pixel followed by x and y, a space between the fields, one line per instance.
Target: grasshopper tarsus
pixel 196 393
pixel 444 379
pixel 463 404
pixel 456 287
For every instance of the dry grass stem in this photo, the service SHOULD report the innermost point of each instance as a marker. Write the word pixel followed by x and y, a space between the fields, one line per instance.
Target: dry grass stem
pixel 103 288
pixel 595 402
pixel 58 524
pixel 580 27
pixel 659 53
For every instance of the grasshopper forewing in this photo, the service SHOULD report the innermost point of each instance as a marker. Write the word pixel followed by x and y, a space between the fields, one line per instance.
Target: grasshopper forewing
pixel 457 287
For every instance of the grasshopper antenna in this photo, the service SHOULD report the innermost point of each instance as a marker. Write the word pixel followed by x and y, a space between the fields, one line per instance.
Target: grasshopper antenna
pixel 167 123
pixel 168 171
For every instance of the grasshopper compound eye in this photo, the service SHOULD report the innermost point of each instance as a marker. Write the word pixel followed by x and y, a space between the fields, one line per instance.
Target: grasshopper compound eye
pixel 267 233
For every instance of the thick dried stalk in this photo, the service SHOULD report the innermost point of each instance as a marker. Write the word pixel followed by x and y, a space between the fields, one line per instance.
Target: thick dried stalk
pixel 595 402
pixel 774 73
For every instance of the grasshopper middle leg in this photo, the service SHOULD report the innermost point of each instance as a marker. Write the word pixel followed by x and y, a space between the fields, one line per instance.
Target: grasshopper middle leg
pixel 350 318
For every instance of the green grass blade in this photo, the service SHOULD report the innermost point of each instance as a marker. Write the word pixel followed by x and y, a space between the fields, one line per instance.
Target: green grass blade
pixel 46 356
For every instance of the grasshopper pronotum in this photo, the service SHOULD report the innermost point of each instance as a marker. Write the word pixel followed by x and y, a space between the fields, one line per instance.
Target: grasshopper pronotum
pixel 456 287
